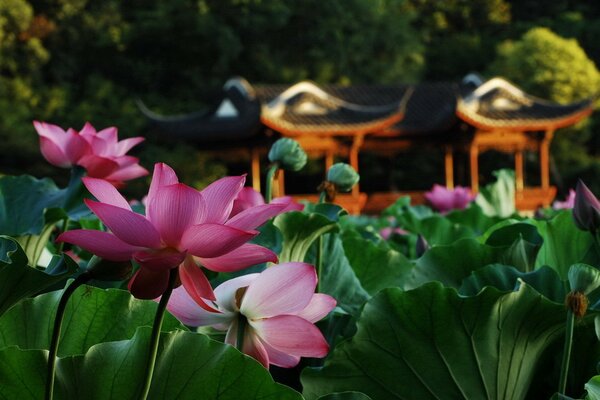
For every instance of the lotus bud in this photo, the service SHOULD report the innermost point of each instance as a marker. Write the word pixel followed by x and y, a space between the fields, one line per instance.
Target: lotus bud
pixel 421 246
pixel 583 278
pixel 586 211
pixel 288 154
pixel 343 176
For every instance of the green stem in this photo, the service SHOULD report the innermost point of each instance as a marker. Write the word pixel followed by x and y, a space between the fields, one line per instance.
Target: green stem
pixel 269 184
pixel 60 312
pixel 63 230
pixel 154 338
pixel 320 243
pixel 564 368
pixel 239 343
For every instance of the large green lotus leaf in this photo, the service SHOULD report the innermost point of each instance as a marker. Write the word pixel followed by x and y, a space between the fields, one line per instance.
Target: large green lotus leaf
pixel 345 396
pixel 431 343
pixel 299 231
pixel 564 244
pixel 450 264
pixel 18 280
pixel 92 316
pixel 472 217
pixel 23 200
pixel 506 278
pixel 507 232
pixel 189 366
pixel 439 230
pixel 593 388
pixel 338 278
pixel 375 264
pixel 498 198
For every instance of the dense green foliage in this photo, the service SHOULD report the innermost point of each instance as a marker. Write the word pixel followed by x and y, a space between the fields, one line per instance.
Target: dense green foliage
pixel 69 61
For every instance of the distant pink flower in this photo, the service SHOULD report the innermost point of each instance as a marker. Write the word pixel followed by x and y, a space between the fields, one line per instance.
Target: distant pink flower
pixel 279 308
pixel 387 232
pixel 569 201
pixel 444 200
pixel 100 153
pixel 248 197
pixel 182 227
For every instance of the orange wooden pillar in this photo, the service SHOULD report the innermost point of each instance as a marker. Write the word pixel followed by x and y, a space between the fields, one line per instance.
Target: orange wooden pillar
pixel 449 166
pixel 474 165
pixel 255 169
pixel 357 143
pixel 545 159
pixel 519 173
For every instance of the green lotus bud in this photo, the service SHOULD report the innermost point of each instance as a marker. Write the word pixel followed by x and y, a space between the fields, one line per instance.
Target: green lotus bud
pixel 288 154
pixel 343 176
pixel 583 278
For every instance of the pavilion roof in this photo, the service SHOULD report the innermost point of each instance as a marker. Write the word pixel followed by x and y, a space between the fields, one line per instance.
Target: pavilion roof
pixel 498 104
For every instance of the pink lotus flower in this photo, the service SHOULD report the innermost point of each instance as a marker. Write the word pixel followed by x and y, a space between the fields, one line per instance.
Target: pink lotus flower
pixel 100 153
pixel 388 231
pixel 182 228
pixel 278 308
pixel 248 197
pixel 444 200
pixel 569 202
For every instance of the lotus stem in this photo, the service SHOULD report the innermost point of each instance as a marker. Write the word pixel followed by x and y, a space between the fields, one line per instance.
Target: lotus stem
pixel 564 368
pixel 65 224
pixel 60 312
pixel 269 184
pixel 319 258
pixel 156 327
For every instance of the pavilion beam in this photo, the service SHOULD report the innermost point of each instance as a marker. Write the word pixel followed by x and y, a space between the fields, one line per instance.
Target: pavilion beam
pixel 449 166
pixel 545 159
pixel 255 168
pixel 519 174
pixel 357 143
pixel 474 164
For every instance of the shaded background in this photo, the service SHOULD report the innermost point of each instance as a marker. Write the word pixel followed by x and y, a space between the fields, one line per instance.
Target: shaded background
pixel 68 62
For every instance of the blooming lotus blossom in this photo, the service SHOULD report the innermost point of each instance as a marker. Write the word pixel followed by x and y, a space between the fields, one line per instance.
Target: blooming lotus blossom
pixel 100 153
pixel 278 309
pixel 569 201
pixel 183 228
pixel 444 200
pixel 248 197
pixel 586 211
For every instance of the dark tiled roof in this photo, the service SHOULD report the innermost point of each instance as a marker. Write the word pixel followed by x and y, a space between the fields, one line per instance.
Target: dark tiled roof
pixel 498 104
pixel 308 108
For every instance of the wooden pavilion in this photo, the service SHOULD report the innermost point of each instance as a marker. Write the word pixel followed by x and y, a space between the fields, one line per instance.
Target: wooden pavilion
pixel 468 117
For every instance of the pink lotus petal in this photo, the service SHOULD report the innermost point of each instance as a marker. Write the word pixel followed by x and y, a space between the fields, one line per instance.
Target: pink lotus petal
pixel 225 292
pixel 282 289
pixel 163 175
pixel 53 153
pixel 157 260
pixel 76 146
pixel 219 197
pixel 320 305
pixel 214 240
pixel 110 135
pixel 246 198
pixel 128 226
pixel 147 284
pixel 289 202
pixel 52 132
pixel 254 217
pixel 125 145
pixel 102 244
pixel 97 166
pixel 105 192
pixel 280 358
pixel 182 306
pixel 231 336
pixel 244 256
pixel 174 209
pixel 128 173
pixel 254 348
pixel 291 335
pixel 196 283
